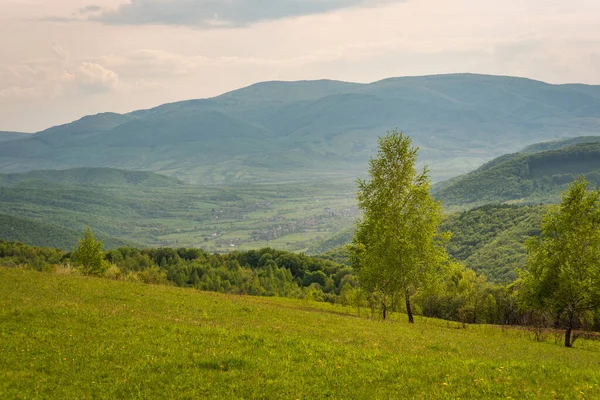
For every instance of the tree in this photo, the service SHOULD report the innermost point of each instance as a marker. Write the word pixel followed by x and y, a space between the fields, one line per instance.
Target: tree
pixel 564 261
pixel 88 256
pixel 396 245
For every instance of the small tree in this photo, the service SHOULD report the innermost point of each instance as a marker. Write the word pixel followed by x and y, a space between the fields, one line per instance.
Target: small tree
pixel 88 256
pixel 396 245
pixel 564 261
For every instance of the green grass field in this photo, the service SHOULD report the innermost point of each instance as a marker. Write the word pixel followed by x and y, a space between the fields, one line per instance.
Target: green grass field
pixel 68 337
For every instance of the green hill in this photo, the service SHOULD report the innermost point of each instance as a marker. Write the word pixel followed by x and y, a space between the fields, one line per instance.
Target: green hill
pixel 315 130
pixel 89 177
pixel 75 337
pixel 523 177
pixel 41 234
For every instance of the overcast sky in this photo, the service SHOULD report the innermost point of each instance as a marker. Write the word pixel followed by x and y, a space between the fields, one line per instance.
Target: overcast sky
pixel 62 59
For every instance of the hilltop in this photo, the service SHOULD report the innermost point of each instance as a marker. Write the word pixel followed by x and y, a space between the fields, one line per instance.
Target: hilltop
pixel 316 130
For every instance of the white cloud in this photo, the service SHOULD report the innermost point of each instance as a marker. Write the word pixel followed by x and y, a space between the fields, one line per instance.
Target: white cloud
pixel 94 78
pixel 54 77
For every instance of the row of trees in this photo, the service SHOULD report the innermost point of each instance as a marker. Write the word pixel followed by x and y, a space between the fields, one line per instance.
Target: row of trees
pixel 398 250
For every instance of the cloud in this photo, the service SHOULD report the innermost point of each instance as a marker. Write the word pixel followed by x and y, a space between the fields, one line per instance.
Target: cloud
pixel 220 13
pixel 56 76
pixel 94 78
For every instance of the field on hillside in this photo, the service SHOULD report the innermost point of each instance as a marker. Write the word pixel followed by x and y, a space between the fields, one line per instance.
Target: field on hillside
pixel 75 337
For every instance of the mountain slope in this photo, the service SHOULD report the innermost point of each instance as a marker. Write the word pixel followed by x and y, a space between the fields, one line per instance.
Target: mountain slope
pixel 523 177
pixel 313 129
pixel 5 136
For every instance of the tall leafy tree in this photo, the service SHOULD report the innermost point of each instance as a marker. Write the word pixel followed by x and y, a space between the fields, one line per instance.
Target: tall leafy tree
pixel 88 255
pixel 396 245
pixel 564 261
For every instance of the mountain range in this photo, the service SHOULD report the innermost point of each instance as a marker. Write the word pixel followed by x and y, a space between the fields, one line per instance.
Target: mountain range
pixel 281 131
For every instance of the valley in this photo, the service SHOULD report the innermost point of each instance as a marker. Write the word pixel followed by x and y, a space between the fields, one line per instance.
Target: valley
pixel 161 212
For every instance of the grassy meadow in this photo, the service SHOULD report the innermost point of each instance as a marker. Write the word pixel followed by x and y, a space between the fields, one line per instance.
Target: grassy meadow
pixel 65 336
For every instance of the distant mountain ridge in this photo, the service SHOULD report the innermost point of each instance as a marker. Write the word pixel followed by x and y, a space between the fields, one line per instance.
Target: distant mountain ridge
pixel 275 131
pixel 89 176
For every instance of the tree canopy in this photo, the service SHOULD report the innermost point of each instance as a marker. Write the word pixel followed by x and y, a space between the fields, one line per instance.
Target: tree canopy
pixel 88 256
pixel 564 261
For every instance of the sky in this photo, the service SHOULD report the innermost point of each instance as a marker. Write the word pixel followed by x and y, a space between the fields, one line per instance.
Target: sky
pixel 63 59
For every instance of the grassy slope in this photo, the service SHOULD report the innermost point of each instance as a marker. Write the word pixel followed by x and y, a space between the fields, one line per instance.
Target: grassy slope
pixel 75 337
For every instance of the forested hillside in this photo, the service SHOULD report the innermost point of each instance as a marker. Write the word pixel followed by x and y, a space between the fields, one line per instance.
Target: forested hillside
pixel 46 235
pixel 316 130
pixel 528 178
pixel 490 239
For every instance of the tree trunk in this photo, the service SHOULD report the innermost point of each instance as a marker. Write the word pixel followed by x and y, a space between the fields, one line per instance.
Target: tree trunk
pixel 408 309
pixel 384 310
pixel 568 341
